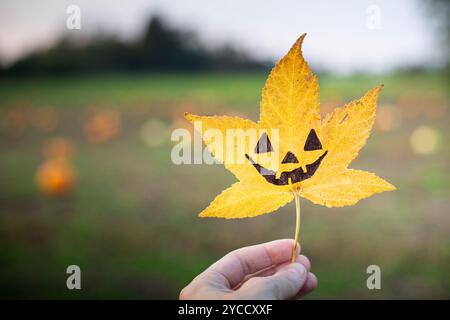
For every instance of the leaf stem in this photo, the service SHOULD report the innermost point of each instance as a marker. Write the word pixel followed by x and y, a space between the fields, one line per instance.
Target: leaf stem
pixel 297 226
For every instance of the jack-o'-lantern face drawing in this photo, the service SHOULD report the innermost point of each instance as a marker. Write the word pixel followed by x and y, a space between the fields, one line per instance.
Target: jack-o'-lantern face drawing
pixel 291 151
pixel 298 174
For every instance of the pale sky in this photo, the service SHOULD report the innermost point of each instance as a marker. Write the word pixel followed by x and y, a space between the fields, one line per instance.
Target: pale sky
pixel 338 37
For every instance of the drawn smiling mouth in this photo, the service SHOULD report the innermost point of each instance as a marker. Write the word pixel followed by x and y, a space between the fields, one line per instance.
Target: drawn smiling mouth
pixel 295 175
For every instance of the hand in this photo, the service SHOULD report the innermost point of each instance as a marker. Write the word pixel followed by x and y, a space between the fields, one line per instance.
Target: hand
pixel 257 272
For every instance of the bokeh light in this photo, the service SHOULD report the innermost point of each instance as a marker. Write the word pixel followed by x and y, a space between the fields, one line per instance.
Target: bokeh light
pixel 102 126
pixel 388 118
pixel 55 178
pixel 425 140
pixel 155 132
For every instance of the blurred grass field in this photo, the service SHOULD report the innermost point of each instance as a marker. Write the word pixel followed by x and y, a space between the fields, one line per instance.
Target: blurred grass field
pixel 130 222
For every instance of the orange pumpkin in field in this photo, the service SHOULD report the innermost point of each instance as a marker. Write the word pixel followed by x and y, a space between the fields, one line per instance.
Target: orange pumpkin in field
pixel 55 178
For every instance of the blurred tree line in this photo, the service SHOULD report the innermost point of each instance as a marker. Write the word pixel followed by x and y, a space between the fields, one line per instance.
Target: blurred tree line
pixel 160 49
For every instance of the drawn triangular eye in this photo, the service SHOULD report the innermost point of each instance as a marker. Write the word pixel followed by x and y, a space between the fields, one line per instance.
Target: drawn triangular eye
pixel 264 144
pixel 312 142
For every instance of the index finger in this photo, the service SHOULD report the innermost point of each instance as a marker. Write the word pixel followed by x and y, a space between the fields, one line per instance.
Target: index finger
pixel 239 263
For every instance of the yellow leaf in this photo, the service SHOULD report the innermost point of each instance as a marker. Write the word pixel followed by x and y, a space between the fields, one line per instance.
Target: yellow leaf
pixel 221 124
pixel 245 200
pixel 345 131
pixel 290 99
pixel 299 154
pixel 345 188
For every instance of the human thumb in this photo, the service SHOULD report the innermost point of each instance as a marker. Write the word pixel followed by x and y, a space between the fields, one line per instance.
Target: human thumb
pixel 284 284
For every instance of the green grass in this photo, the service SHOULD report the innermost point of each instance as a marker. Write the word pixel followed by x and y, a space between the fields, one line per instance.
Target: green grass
pixel 131 223
pixel 242 90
